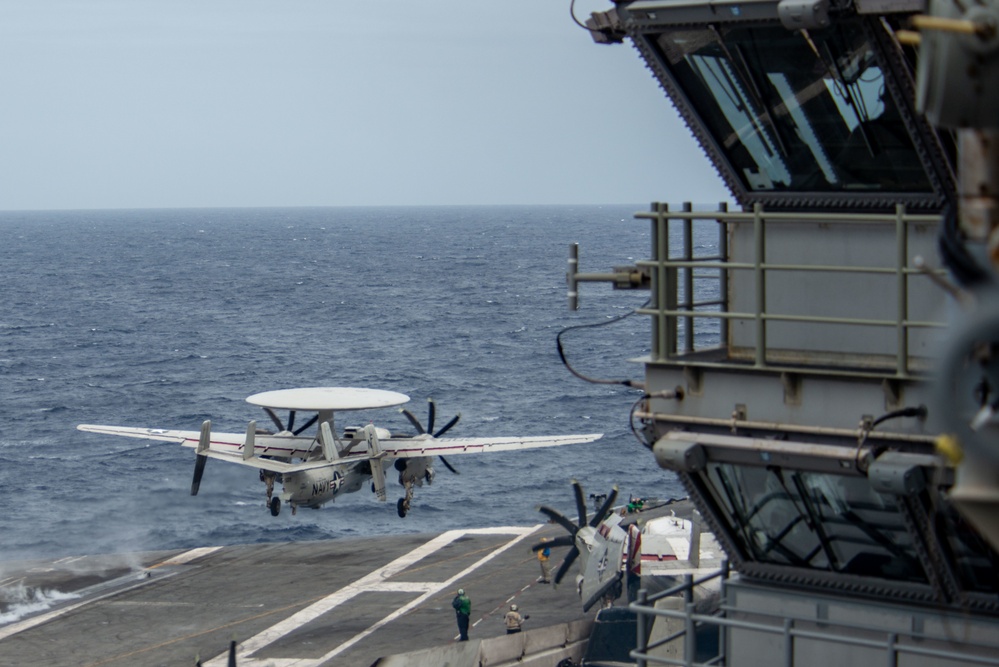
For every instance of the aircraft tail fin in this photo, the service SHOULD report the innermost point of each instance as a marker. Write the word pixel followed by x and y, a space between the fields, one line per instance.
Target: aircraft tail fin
pixel 205 441
pixel 377 465
pixel 328 443
pixel 251 440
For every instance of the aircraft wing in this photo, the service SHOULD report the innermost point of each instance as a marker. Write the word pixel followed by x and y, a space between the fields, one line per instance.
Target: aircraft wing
pixel 411 447
pixel 229 446
pixel 160 434
pixel 225 445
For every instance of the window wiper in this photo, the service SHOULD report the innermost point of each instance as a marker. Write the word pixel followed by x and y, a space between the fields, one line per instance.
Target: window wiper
pixel 750 76
pixel 754 92
pixel 816 520
pixel 777 541
pixel 836 74
pixel 882 540
pixel 743 523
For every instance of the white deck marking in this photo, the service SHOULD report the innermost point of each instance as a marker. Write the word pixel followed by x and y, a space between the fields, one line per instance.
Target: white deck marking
pixel 68 559
pixel 188 556
pixel 372 582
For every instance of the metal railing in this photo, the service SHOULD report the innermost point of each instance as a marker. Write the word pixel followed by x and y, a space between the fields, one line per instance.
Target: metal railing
pixel 894 644
pixel 676 272
pixel 646 615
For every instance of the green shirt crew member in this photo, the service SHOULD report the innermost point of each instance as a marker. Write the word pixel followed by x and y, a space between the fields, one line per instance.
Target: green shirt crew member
pixel 462 609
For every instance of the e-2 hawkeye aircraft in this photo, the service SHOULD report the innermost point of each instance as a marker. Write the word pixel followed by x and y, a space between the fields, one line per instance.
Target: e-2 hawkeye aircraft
pixel 315 469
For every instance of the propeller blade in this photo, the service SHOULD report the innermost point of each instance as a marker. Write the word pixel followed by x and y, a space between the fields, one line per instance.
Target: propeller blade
pixel 204 443
pixel 199 470
pixel 447 426
pixel 560 541
pixel 604 509
pixel 448 465
pixel 306 425
pixel 580 502
pixel 232 653
pixel 274 418
pixel 559 518
pixel 431 414
pixel 570 558
pixel 413 420
pixel 291 420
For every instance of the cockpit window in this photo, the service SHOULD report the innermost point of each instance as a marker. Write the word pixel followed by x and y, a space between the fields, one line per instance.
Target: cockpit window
pixel 796 111
pixel 818 521
pixel 975 563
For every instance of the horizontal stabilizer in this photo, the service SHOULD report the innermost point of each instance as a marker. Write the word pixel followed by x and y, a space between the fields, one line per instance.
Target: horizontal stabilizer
pixel 273 465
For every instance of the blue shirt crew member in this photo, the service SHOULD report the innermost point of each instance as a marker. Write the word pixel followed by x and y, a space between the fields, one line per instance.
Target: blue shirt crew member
pixel 543 556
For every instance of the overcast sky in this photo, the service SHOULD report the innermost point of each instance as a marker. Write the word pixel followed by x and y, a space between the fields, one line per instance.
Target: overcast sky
pixel 177 103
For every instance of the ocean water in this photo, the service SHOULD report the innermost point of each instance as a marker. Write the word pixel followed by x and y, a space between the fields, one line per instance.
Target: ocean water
pixel 165 318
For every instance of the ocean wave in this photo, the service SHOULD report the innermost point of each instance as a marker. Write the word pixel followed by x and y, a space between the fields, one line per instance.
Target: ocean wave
pixel 19 601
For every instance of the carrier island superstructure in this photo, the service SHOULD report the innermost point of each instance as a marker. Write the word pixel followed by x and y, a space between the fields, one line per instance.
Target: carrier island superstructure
pixel 822 370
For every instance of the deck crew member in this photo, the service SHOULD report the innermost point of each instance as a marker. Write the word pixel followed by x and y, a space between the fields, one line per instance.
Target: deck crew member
pixel 462 610
pixel 543 556
pixel 514 620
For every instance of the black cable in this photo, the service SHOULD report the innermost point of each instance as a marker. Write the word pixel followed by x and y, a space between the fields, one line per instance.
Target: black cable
pixel 918 411
pixel 572 13
pixel 565 362
pixel 631 422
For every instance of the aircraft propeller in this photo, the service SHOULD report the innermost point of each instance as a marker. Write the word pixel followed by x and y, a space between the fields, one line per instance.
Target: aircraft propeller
pixel 572 528
pixel 202 458
pixel 291 422
pixel 432 413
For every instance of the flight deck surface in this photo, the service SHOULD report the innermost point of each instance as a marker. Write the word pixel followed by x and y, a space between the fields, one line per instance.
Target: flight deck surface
pixel 344 602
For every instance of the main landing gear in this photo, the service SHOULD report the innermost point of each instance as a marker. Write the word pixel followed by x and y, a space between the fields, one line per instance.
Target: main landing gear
pixel 403 505
pixel 273 503
pixel 268 479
